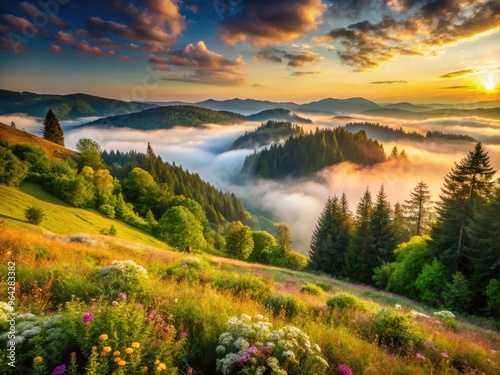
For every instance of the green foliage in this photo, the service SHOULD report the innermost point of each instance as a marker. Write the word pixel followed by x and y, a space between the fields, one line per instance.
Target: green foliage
pixel 312 289
pixel 38 162
pixel 34 215
pixel 123 276
pixel 289 259
pixel 383 229
pixel 239 242
pixel 263 243
pixel 411 258
pixel 256 288
pixel 493 295
pixel 431 282
pixel 382 274
pixel 289 306
pixel 457 295
pixel 12 170
pixel 396 330
pixel 109 232
pixel 324 286
pixel 89 153
pixel 419 209
pixel 330 147
pixel 179 228
pixel 52 130
pixel 265 134
pixel 345 301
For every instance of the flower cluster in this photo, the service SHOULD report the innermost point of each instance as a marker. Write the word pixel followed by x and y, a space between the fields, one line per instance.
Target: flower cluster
pixel 444 314
pixel 125 268
pixel 344 370
pixel 252 345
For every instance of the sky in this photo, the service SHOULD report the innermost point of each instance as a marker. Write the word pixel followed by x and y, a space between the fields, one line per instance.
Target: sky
pixel 422 51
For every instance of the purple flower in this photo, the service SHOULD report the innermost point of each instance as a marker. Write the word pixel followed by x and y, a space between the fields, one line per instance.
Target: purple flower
pixel 183 334
pixel 59 370
pixel 420 356
pixel 445 355
pixel 190 371
pixel 152 314
pixel 87 317
pixel 344 370
pixel 122 295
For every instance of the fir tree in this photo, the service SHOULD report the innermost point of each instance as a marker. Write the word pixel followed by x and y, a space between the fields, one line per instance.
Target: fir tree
pixel 419 209
pixel 466 189
pixel 12 124
pixel 401 230
pixel 52 130
pixel 383 231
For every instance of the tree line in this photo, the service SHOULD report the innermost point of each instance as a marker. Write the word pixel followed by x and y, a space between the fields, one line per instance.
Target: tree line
pixel 447 254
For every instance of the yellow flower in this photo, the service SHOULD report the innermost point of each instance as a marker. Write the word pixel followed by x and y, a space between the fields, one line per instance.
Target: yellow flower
pixel 145 368
pixel 37 359
pixel 117 359
pixel 157 362
pixel 103 337
pixel 129 350
pixel 158 369
pixel 122 363
pixel 163 366
pixel 135 345
pixel 106 349
pixel 103 354
pixel 116 353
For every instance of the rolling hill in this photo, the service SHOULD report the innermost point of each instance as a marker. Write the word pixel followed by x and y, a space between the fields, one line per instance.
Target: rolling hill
pixel 266 134
pixel 279 114
pixel 423 115
pixel 66 107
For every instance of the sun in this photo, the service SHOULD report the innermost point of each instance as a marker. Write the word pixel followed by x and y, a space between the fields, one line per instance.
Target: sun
pixel 489 85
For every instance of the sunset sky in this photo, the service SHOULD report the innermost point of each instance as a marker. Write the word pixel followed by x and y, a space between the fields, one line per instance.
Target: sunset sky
pixel 421 51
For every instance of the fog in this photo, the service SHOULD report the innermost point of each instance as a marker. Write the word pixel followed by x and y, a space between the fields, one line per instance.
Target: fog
pixel 299 202
pixel 34 124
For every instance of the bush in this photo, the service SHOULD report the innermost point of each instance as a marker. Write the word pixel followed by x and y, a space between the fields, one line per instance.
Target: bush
pixel 345 301
pixel 325 286
pixel 107 210
pixel 312 289
pixel 395 330
pixel 34 215
pixel 254 347
pixel 289 306
pixel 431 282
pixel 257 288
pixel 457 295
pixel 124 276
pixel 109 232
pixel 12 170
pixel 493 294
pixel 447 318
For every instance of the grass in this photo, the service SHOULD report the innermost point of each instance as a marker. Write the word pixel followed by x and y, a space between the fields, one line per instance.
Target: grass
pixel 15 136
pixel 60 218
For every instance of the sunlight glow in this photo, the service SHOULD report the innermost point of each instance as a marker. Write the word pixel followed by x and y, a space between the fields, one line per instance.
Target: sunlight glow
pixel 490 84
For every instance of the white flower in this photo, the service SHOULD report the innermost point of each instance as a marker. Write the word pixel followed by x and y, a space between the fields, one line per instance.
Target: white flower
pixel 220 349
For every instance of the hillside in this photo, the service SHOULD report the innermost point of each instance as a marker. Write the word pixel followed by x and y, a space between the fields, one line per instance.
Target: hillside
pixel 423 115
pixel 66 107
pixel 245 106
pixel 330 105
pixel 178 306
pixel 168 117
pixel 52 150
pixel 271 132
pixel 279 114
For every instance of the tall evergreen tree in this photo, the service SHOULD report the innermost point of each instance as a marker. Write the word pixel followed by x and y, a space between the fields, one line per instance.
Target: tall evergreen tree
pixel 383 230
pixel 418 209
pixel 466 188
pixel 52 130
pixel 361 257
pixel 320 238
pixel 401 230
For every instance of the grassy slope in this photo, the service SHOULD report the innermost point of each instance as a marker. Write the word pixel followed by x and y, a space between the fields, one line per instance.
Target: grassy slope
pixel 52 150
pixel 61 219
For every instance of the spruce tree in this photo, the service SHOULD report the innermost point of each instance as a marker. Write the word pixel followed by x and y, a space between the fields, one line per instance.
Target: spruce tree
pixel 418 209
pixel 320 237
pixel 401 230
pixel 361 257
pixel 466 189
pixel 52 130
pixel 383 231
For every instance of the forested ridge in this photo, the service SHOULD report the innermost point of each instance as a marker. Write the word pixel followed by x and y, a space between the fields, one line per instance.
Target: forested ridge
pixel 310 152
pixel 265 134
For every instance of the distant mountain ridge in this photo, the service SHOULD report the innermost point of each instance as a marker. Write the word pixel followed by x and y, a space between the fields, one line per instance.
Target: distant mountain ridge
pixel 281 114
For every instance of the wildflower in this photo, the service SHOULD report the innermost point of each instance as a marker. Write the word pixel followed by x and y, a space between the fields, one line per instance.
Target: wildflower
pixel 129 350
pixel 38 359
pixel 116 353
pixel 115 303
pixel 106 349
pixel 420 356
pixel 122 363
pixel 162 366
pixel 445 355
pixel 103 337
pixel 87 317
pixel 344 370
pixel 152 314
pixel 59 370
pixel 122 295
pixel 183 334
pixel 397 306
pixel 190 371
pixel 157 362
pixel 102 354
pixel 117 359
pixel 170 317
pixel 135 345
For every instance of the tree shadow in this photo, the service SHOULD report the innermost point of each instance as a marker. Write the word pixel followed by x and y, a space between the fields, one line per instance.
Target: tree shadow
pixel 41 194
pixel 2 216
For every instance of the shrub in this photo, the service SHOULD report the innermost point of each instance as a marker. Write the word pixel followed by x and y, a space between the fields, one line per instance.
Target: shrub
pixel 325 286
pixel 252 346
pixel 251 286
pixel 34 215
pixel 122 275
pixel 493 295
pixel 312 289
pixel 109 232
pixel 107 210
pixel 345 301
pixel 289 306
pixel 446 317
pixel 395 330
pixel 431 282
pixel 12 170
pixel 457 295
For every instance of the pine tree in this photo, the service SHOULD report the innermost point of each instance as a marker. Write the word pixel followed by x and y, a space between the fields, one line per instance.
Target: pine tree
pixel 320 237
pixel 52 130
pixel 401 230
pixel 418 209
pixel 361 256
pixel 12 124
pixel 383 231
pixel 466 188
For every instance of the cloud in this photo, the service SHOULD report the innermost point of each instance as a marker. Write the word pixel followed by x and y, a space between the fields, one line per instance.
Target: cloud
pixel 159 21
pixel 458 73
pixel 62 37
pixel 91 50
pixel 348 8
pixel 55 48
pixel 457 87
pixel 301 59
pixel 269 54
pixel 264 22
pixel 431 24
pixel 195 63
pixel 302 74
pixel 32 11
pixel 20 24
pixel 386 82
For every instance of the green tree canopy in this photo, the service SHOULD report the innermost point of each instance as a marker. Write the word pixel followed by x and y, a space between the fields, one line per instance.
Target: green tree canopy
pixel 179 228
pixel 52 130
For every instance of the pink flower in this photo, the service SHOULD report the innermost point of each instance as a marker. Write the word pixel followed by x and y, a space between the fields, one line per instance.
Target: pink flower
pixel 344 370
pixel 122 295
pixel 444 355
pixel 152 314
pixel 183 334
pixel 87 317
pixel 170 317
pixel 190 371
pixel 420 356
